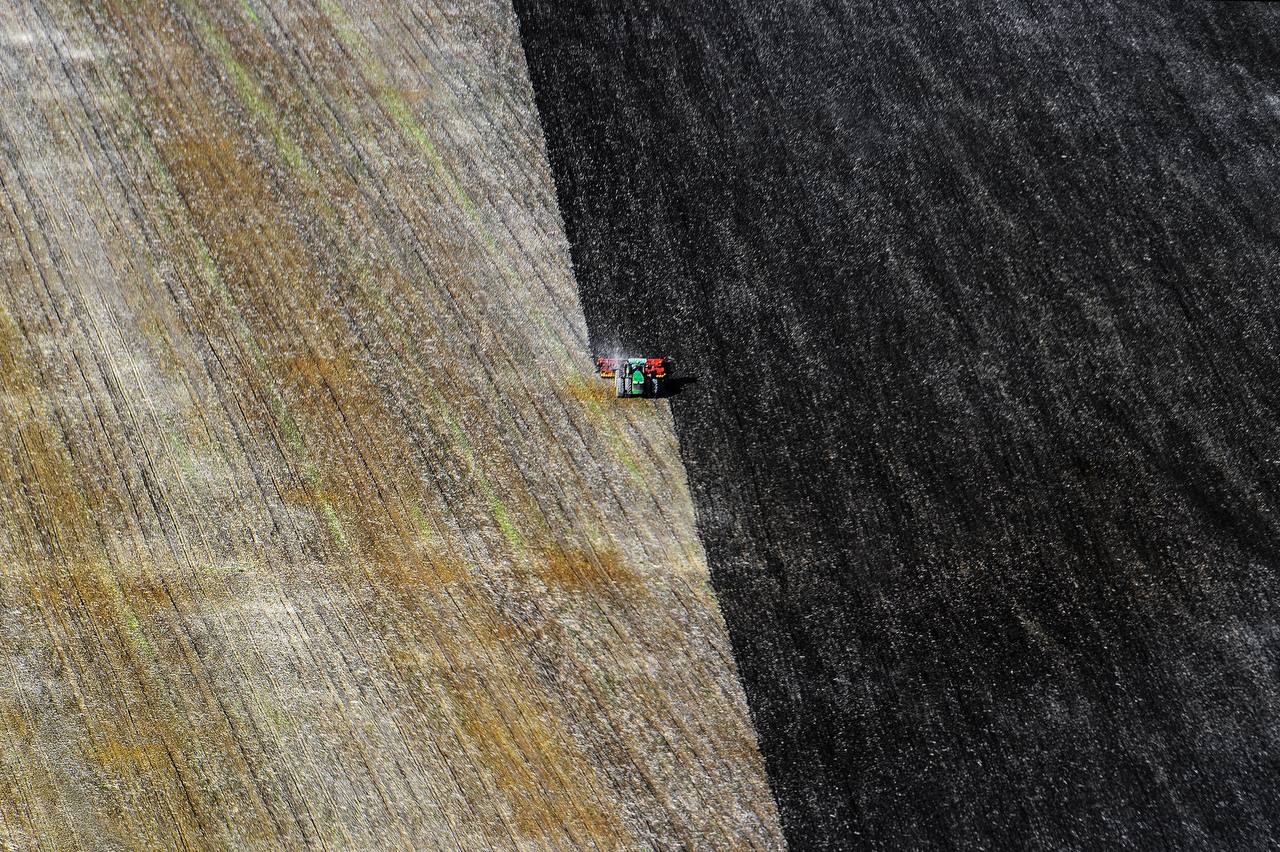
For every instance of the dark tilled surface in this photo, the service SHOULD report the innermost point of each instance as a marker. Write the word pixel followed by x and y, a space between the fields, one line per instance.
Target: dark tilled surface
pixel 982 304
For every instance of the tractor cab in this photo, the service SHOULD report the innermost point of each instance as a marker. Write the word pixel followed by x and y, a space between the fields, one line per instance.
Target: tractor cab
pixel 634 376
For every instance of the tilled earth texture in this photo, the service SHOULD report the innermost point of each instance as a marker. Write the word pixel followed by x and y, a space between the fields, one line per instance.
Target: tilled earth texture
pixel 983 300
pixel 315 528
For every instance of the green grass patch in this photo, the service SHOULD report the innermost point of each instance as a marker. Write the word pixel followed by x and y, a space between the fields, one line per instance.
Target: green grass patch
pixel 503 519
pixel 250 13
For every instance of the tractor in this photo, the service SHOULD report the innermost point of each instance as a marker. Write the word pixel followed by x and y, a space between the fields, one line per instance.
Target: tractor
pixel 634 376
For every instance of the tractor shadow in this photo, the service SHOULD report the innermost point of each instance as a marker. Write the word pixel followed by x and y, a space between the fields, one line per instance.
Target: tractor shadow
pixel 676 386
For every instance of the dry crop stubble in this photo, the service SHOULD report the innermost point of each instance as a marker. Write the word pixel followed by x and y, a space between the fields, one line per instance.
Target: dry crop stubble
pixel 310 535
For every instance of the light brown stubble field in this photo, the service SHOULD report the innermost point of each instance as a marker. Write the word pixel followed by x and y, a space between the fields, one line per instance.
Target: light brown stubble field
pixel 315 528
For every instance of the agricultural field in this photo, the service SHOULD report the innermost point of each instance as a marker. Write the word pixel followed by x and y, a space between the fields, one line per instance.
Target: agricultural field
pixel 315 528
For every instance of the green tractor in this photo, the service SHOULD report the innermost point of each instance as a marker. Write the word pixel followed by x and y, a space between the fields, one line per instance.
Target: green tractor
pixel 634 376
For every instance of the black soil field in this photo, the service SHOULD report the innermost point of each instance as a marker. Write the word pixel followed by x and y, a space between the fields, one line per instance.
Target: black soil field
pixel 981 300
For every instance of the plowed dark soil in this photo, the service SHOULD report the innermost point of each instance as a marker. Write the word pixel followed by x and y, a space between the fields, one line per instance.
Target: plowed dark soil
pixel 983 300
